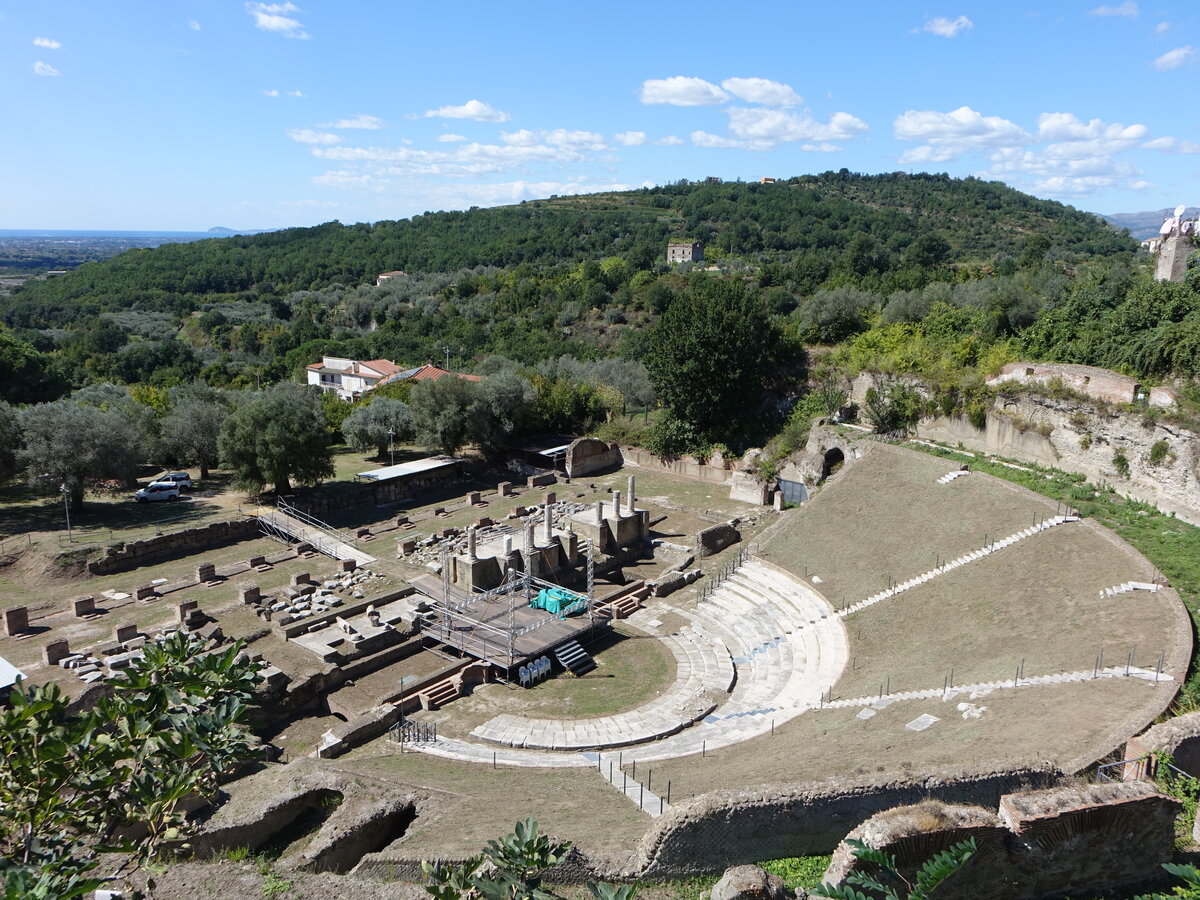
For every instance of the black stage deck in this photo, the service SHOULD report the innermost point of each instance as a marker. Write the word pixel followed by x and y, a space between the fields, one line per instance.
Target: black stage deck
pixel 481 629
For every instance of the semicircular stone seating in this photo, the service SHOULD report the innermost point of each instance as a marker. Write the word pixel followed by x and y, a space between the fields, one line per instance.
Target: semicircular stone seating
pixel 764 633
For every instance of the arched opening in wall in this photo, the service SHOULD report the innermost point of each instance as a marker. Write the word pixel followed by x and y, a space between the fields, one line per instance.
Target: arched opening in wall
pixel 834 459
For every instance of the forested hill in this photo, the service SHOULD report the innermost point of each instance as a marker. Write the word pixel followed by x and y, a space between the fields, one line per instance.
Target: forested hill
pixel 882 223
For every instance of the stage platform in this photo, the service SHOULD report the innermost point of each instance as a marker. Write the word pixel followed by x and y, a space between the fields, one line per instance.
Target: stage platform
pixel 505 632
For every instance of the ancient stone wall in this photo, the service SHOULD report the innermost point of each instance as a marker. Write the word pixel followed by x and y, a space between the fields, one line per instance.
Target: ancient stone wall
pixel 1178 737
pixel 1069 840
pixel 1084 438
pixel 716 538
pixel 588 455
pixel 685 466
pixel 380 493
pixel 728 828
pixel 1103 384
pixel 132 554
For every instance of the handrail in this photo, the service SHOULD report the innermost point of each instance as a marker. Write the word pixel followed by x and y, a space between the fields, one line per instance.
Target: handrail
pixel 313 522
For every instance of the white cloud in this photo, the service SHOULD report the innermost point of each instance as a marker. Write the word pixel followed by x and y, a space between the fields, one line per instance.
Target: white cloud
pixel 48 43
pixel 762 90
pixel 771 126
pixel 1162 28
pixel 193 24
pixel 948 28
pixel 369 123
pixel 557 137
pixel 705 139
pixel 472 109
pixel 341 178
pixel 308 136
pixel 820 148
pixel 462 196
pixel 681 90
pixel 670 141
pixel 42 68
pixel 296 94
pixel 630 138
pixel 463 160
pixel 1127 10
pixel 1069 127
pixel 947 135
pixel 1047 173
pixel 271 92
pixel 1172 145
pixel 450 138
pixel 273 17
pixel 1177 58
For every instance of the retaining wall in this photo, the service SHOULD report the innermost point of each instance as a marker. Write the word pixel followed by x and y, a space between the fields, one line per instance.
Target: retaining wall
pixel 684 466
pixel 132 554
pixel 727 828
pixel 1072 841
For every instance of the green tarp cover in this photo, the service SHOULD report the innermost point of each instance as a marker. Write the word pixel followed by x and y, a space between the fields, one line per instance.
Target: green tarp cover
pixel 553 600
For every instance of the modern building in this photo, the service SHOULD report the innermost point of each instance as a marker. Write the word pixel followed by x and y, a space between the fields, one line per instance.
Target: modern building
pixel 350 378
pixel 387 276
pixel 685 251
pixel 427 372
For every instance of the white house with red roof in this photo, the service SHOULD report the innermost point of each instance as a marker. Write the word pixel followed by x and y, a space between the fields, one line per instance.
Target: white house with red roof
pixel 350 378
pixel 427 372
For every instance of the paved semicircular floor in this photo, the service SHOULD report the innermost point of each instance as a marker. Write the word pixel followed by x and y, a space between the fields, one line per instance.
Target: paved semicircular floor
pixel 763 636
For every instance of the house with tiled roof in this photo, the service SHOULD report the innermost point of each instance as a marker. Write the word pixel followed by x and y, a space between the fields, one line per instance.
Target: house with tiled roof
pixel 350 378
pixel 427 372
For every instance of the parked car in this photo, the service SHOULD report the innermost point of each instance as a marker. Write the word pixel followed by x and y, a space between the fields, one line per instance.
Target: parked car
pixel 183 479
pixel 157 490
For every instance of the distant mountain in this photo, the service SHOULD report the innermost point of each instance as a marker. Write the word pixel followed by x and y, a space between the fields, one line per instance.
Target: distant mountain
pixel 1143 225
pixel 222 231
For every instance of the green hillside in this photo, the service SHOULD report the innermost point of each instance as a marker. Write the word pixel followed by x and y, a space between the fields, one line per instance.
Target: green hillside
pixel 876 224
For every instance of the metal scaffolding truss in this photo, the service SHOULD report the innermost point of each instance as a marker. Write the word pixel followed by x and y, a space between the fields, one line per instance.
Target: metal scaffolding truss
pixel 470 623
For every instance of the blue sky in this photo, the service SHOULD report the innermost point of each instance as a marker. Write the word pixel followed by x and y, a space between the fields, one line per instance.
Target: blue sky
pixel 185 114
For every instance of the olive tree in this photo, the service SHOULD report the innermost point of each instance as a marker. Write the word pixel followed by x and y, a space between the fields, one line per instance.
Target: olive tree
pixel 375 425
pixel 191 430
pixel 277 436
pixel 67 444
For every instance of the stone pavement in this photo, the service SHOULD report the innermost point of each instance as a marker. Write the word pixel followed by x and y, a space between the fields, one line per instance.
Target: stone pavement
pixel 703 670
pixel 766 633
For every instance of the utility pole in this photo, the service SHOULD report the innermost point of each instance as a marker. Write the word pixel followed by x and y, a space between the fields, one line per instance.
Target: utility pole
pixel 65 491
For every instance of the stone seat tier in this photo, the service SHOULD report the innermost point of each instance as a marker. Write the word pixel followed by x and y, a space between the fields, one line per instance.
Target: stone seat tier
pixel 703 669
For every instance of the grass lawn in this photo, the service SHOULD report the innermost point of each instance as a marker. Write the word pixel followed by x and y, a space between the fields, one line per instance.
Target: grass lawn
pixel 632 668
pixel 480 803
pixel 1171 545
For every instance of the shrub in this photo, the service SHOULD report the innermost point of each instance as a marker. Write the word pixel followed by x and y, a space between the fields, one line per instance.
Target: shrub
pixel 1158 452
pixel 1085 442
pixel 1121 463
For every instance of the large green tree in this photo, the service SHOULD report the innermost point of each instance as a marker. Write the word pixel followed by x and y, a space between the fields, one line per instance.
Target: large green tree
pixel 275 437
pixel 10 439
pixel 708 355
pixel 192 428
pixel 68 443
pixel 376 425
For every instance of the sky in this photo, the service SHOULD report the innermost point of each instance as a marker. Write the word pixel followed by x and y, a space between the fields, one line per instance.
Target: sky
pixel 187 114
